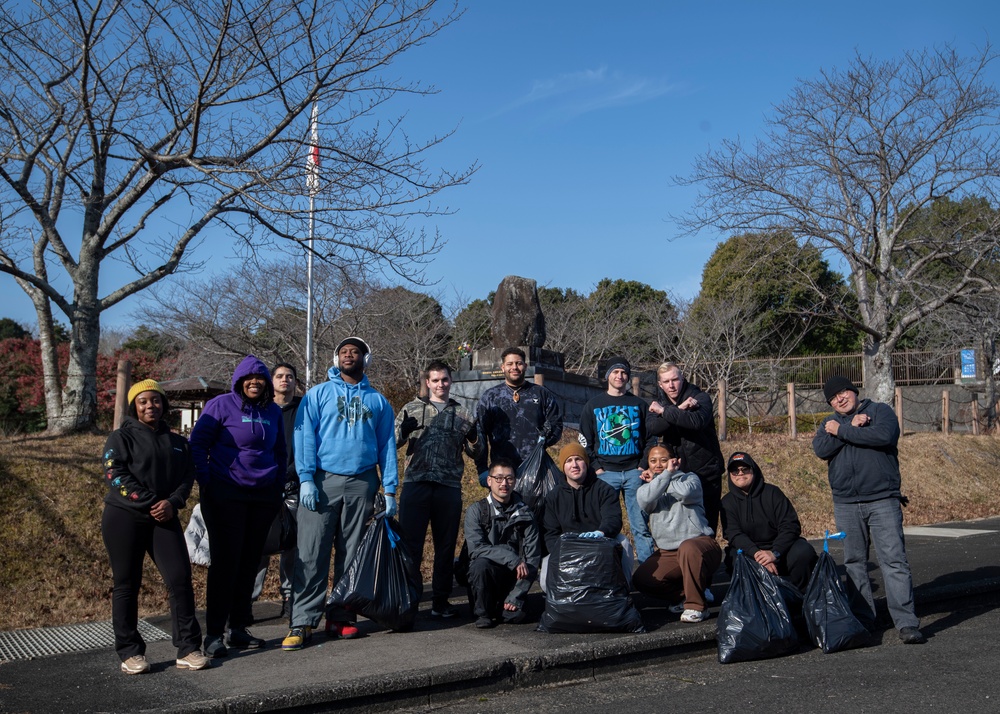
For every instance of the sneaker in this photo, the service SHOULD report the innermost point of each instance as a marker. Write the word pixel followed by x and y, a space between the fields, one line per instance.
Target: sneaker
pixel 240 638
pixel 341 630
pixel 296 639
pixel 135 665
pixel 215 647
pixel 445 612
pixel 484 622
pixel 678 608
pixel 909 636
pixel 693 615
pixel 193 660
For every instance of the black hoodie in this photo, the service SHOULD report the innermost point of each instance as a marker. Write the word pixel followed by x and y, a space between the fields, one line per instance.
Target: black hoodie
pixel 592 507
pixel 763 519
pixel 143 466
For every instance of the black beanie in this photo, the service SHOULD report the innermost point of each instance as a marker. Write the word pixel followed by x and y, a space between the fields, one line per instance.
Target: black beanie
pixel 836 385
pixel 617 362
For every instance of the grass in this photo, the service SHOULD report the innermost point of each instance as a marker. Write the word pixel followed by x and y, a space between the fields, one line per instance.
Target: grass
pixel 54 568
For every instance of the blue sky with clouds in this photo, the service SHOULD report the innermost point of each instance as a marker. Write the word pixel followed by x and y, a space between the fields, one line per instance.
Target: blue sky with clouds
pixel 579 113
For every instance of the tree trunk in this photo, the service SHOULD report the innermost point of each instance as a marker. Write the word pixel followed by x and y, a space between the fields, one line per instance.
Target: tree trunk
pixel 877 371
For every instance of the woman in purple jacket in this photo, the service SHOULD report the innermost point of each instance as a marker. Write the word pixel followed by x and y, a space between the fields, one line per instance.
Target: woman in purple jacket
pixel 238 445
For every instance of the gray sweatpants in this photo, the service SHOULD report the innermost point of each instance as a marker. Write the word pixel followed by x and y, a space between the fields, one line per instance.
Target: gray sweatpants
pixel 343 506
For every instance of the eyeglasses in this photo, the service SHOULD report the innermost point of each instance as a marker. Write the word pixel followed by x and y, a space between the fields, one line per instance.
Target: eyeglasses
pixel 741 470
pixel 501 479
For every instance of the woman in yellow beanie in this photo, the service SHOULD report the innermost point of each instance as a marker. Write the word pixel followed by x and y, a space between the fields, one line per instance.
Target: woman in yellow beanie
pixel 149 473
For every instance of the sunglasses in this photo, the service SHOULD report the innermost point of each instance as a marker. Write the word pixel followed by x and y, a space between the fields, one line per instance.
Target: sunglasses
pixel 743 470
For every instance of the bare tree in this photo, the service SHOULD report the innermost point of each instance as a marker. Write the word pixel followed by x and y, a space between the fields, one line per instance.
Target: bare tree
pixel 142 127
pixel 849 162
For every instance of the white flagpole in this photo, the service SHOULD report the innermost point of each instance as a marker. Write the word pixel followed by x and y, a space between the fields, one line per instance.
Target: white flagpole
pixel 312 180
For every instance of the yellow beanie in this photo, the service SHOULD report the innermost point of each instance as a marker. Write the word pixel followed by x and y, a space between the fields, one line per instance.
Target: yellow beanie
pixel 146 385
pixel 573 448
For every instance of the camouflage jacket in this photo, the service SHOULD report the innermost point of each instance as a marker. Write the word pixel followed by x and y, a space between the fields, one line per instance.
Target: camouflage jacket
pixel 434 449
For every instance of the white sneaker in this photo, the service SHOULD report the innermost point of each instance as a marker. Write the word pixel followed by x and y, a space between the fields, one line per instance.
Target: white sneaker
pixel 135 665
pixel 193 660
pixel 693 615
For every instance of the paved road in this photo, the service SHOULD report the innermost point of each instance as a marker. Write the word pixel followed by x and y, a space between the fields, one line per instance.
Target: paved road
pixel 954 672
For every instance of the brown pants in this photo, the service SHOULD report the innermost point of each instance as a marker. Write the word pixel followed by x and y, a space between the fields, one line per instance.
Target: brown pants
pixel 685 572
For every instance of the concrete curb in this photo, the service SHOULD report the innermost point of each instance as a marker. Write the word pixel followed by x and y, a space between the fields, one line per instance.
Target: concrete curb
pixel 573 663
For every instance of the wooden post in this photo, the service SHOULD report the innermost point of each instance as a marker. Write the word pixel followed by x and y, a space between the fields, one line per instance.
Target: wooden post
pixel 635 385
pixel 945 412
pixel 793 427
pixel 539 379
pixel 975 416
pixel 122 386
pixel 722 410
pixel 899 408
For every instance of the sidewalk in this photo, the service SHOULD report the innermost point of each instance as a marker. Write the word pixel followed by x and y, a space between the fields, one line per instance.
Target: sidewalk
pixel 439 660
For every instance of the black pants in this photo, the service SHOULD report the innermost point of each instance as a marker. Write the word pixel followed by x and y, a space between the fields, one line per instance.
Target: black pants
pixel 489 585
pixel 128 536
pixel 711 490
pixel 237 530
pixel 423 503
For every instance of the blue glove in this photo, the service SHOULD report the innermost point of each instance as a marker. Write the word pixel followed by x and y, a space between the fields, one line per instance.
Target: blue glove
pixel 541 438
pixel 483 477
pixel 308 495
pixel 390 506
pixel 592 534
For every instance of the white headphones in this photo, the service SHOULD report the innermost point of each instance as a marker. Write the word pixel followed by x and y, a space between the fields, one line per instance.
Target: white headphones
pixel 368 351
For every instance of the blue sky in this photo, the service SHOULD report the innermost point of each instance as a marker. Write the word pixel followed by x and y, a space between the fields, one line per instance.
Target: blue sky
pixel 579 113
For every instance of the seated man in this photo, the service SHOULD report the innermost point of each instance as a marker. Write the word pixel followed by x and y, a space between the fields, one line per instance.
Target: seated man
pixel 504 549
pixel 758 519
pixel 687 555
pixel 581 504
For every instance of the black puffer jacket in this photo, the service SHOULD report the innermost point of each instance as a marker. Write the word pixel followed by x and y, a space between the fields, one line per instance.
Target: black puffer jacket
pixel 763 519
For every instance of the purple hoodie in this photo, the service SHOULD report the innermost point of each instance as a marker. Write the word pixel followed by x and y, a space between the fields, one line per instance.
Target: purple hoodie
pixel 238 443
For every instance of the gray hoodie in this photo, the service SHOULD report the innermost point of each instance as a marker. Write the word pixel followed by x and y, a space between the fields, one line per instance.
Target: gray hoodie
pixel 673 500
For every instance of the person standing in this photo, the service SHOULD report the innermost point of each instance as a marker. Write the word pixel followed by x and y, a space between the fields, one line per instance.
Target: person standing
pixel 238 446
pixel 685 421
pixel 859 443
pixel 149 474
pixel 436 431
pixel 514 416
pixel 613 431
pixel 285 381
pixel 344 438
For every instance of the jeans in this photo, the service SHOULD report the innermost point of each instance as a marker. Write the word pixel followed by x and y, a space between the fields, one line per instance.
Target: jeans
pixel 881 522
pixel 627 483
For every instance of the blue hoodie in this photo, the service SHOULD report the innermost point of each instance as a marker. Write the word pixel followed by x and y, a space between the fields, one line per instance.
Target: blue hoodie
pixel 238 443
pixel 345 429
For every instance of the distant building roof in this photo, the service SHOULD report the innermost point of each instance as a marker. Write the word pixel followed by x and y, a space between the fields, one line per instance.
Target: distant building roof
pixel 193 389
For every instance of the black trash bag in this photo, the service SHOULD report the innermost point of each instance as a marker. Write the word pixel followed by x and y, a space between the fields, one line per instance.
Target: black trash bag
pixel 283 534
pixel 587 590
pixel 831 624
pixel 536 477
pixel 754 622
pixel 379 583
pixel 793 601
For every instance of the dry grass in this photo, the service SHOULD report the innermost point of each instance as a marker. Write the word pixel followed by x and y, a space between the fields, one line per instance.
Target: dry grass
pixel 54 568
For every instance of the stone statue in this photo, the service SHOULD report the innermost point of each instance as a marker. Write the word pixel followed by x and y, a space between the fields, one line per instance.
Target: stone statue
pixel 517 314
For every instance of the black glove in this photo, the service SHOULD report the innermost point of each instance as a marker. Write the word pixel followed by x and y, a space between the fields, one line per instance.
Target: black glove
pixel 407 427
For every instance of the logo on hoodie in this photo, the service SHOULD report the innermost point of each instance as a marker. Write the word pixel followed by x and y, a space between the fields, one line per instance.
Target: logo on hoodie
pixel 353 411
